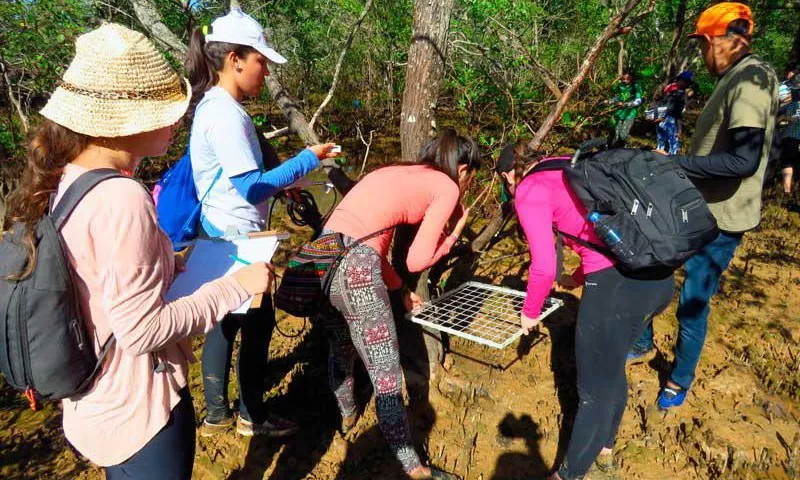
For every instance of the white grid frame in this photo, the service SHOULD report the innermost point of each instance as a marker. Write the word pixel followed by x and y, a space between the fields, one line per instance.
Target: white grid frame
pixel 483 313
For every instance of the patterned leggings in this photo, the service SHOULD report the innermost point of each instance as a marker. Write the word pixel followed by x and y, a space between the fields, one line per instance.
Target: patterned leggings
pixel 359 321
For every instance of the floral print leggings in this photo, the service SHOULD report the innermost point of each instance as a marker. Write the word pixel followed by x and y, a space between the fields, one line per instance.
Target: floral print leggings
pixel 359 321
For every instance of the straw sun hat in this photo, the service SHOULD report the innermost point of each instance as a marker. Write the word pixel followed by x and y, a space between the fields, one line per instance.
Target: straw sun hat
pixel 118 84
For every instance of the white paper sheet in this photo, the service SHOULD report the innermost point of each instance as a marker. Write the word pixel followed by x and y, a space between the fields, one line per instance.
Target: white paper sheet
pixel 210 260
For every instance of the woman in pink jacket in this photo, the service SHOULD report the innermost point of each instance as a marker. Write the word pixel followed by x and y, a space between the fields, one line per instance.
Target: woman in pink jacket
pixel 118 103
pixel 360 322
pixel 614 309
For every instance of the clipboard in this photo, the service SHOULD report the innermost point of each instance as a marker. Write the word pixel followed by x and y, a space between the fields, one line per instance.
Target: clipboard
pixel 208 259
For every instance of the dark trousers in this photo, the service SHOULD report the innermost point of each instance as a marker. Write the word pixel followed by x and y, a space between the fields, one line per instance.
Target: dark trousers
pixel 167 456
pixel 703 272
pixel 256 326
pixel 614 311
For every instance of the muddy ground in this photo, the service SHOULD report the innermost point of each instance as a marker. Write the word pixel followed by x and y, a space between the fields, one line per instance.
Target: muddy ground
pixel 492 414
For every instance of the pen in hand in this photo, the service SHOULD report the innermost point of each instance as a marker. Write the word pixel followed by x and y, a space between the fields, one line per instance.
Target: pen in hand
pixel 241 260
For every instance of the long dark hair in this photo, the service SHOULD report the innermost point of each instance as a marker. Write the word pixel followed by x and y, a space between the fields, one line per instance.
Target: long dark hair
pixel 203 63
pixel 449 150
pixel 50 148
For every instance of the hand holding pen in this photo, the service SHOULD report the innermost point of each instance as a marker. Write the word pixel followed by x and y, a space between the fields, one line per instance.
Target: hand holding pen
pixel 255 277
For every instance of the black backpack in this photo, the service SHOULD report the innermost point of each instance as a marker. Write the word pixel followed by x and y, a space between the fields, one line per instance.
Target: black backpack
pixel 44 347
pixel 647 200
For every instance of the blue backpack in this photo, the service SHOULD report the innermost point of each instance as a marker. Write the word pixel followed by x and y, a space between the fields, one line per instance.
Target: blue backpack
pixel 177 203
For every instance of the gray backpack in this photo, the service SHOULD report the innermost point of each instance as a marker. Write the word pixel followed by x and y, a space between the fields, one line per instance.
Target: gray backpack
pixel 44 347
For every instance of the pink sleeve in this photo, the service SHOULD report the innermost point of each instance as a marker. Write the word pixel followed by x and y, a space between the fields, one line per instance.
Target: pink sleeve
pixel 130 262
pixel 428 245
pixel 532 203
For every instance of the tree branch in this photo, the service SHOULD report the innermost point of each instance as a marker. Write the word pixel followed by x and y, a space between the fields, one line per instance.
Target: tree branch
pixel 148 15
pixel 339 63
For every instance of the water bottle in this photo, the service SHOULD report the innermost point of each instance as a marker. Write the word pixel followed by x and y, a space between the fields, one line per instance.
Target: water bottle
pixel 611 238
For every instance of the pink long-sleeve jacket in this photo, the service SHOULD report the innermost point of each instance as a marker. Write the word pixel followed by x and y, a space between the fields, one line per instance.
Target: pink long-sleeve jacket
pixel 123 264
pixel 542 200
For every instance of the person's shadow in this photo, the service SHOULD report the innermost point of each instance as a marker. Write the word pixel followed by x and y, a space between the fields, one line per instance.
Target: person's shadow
pixel 516 465
pixel 309 402
pixel 561 328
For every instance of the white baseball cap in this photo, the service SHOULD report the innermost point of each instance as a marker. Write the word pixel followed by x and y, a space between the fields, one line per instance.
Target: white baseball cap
pixel 242 29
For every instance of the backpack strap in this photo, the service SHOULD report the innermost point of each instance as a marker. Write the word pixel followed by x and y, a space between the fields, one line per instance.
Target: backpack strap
pixel 558 163
pixel 75 193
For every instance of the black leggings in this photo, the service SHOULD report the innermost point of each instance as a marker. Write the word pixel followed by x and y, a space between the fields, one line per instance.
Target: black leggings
pixel 614 311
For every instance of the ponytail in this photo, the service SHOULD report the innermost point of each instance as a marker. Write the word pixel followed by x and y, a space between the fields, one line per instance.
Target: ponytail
pixel 203 63
pixel 51 147
pixel 449 150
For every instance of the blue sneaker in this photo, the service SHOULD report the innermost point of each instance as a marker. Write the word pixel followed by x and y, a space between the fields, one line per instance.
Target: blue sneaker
pixel 671 397
pixel 638 355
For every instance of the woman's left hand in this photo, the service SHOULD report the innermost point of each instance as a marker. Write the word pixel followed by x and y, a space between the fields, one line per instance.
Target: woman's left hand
pixel 528 323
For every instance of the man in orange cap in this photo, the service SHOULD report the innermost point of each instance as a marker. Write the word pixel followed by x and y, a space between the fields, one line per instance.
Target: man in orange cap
pixel 726 161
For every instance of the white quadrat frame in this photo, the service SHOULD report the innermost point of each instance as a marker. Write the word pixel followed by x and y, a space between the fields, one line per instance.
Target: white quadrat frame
pixel 483 313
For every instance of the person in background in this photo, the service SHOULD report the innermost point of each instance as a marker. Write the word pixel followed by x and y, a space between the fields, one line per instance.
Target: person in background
pixel 614 310
pixel 727 160
pixel 789 122
pixel 225 66
pixel 359 318
pixel 120 102
pixel 674 102
pixel 628 99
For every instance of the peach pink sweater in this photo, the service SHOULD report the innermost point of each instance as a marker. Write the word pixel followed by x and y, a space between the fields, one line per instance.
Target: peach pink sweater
pixel 123 264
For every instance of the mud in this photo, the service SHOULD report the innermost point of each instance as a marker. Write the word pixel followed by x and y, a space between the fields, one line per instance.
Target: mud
pixel 500 415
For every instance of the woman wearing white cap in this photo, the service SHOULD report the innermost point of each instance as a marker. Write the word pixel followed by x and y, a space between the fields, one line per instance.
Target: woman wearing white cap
pixel 118 103
pixel 225 66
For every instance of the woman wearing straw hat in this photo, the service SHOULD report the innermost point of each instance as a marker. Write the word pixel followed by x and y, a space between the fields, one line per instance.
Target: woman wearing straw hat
pixel 120 102
pixel 224 66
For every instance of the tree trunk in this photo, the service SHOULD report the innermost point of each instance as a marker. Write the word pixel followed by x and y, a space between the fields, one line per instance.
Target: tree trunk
pixel 677 36
pixel 621 57
pixel 426 59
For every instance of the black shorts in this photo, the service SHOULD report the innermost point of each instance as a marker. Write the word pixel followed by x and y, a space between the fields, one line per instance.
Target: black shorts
pixel 790 152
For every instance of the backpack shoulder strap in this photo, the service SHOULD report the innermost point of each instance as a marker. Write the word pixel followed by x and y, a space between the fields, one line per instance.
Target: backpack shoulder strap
pixel 593 246
pixel 75 193
pixel 547 166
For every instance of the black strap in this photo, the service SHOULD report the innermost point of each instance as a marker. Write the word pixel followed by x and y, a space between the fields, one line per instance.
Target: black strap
pixel 326 281
pixel 75 193
pixel 100 359
pixel 548 166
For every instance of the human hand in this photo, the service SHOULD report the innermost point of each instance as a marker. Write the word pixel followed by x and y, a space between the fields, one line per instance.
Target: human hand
pixel 323 151
pixel 255 278
pixel 528 323
pixel 411 301
pixel 180 262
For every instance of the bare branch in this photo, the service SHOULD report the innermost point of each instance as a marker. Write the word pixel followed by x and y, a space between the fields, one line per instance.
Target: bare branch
pixel 277 133
pixel 14 99
pixel 368 144
pixel 550 80
pixel 339 63
pixel 148 15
